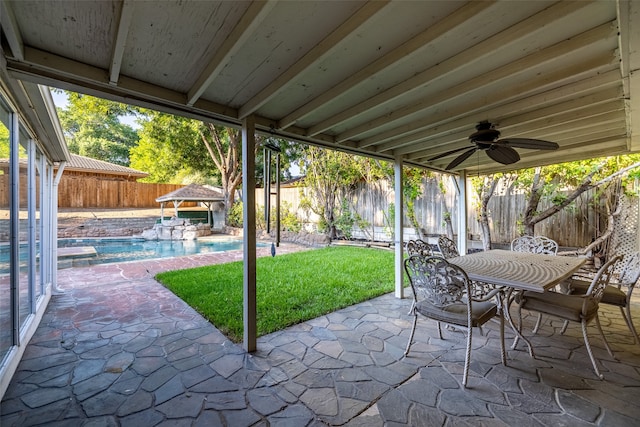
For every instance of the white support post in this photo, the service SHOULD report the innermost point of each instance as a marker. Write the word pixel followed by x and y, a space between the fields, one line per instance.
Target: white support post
pixel 249 233
pixel 399 214
pixel 462 212
pixel 54 228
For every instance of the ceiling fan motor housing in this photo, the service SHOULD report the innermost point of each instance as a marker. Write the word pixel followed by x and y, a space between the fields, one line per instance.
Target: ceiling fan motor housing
pixel 485 132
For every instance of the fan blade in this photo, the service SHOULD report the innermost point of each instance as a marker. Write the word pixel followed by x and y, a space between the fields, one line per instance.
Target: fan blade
pixel 503 154
pixel 535 144
pixel 461 158
pixel 448 153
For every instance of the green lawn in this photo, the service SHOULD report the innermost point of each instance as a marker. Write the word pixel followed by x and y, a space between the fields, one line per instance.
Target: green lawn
pixel 291 288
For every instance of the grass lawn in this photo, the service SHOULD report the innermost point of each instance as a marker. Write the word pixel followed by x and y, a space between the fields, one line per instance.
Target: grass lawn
pixel 291 288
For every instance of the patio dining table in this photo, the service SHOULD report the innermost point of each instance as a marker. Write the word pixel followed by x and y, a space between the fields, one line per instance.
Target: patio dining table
pixel 517 272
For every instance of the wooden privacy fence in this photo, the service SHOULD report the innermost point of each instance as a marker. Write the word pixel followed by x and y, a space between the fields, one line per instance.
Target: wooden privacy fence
pixel 89 192
pixel 575 226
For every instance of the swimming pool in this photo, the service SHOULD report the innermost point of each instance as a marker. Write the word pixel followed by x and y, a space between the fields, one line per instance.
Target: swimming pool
pixel 110 250
pixel 133 249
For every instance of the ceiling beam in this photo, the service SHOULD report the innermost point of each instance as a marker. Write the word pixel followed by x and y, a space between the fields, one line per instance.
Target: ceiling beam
pixel 489 78
pixel 126 14
pixel 595 148
pixel 541 123
pixel 584 129
pixel 251 19
pixel 558 82
pixel 501 117
pixel 361 16
pixel 445 68
pixel 629 40
pixel 393 58
pixel 11 31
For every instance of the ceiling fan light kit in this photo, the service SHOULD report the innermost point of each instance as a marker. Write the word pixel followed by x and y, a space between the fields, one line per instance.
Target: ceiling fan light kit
pixel 485 138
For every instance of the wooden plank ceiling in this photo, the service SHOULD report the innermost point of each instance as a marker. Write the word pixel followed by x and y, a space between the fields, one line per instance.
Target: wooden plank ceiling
pixel 400 79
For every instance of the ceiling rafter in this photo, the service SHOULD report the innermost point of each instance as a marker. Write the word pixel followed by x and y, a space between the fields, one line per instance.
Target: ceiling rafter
pixel 583 130
pixel 126 15
pixel 397 55
pixel 588 105
pixel 600 81
pixel 361 16
pixel 250 20
pixel 11 31
pixel 446 68
pixel 545 82
pixel 629 40
pixel 490 78
pixel 608 146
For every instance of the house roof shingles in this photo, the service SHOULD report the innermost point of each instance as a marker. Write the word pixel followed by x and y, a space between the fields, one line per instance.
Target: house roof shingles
pixel 86 164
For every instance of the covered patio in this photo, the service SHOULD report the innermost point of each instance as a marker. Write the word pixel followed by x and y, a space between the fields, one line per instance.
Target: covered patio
pixel 117 348
pixel 401 81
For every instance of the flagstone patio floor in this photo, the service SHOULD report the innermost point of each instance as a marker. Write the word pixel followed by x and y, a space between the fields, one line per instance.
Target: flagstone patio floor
pixel 118 349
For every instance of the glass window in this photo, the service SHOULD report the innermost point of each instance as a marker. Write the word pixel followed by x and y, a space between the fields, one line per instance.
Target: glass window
pixel 39 283
pixel 6 323
pixel 25 297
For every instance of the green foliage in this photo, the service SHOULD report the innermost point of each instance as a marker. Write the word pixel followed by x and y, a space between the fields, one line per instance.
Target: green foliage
pixel 235 218
pixel 347 218
pixel 4 142
pixel 289 221
pixel 171 148
pixel 92 128
pixel 290 288
pixel 390 220
pixel 331 176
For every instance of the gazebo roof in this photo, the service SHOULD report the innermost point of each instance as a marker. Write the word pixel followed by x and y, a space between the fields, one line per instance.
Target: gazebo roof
pixel 192 192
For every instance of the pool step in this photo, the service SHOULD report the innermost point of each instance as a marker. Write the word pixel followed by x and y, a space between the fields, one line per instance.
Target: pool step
pixel 80 251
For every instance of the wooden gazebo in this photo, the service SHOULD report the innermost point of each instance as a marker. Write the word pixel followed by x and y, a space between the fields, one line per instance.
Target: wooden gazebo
pixel 192 193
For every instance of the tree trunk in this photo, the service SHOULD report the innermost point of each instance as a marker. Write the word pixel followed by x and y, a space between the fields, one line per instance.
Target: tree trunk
pixel 534 201
pixel 488 188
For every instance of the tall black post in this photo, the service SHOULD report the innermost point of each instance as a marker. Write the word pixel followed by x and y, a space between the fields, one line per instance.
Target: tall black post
pixel 278 199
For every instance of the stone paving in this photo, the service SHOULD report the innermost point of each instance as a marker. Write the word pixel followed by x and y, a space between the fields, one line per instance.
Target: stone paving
pixel 118 349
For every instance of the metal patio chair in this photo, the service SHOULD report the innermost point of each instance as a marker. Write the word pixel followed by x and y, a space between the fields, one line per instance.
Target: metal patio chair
pixel 574 308
pixel 442 292
pixel 618 292
pixel 447 247
pixel 419 247
pixel 535 244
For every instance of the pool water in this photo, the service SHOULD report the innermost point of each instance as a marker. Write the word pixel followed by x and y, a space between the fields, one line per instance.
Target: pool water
pixel 110 250
pixel 120 250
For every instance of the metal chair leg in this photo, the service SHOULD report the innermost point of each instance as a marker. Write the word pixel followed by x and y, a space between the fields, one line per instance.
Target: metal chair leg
pixel 413 330
pixel 467 358
pixel 588 345
pixel 538 323
pixel 606 343
pixel 627 318
pixel 503 352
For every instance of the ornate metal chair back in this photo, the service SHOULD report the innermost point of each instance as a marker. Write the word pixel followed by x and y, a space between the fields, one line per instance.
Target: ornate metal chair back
pixel 435 280
pixel 419 247
pixel 447 247
pixel 535 244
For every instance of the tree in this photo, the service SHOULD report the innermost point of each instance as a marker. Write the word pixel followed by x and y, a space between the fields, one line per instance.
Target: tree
pixel 92 128
pixel 180 150
pixel 330 175
pixel 583 176
pixel 485 187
